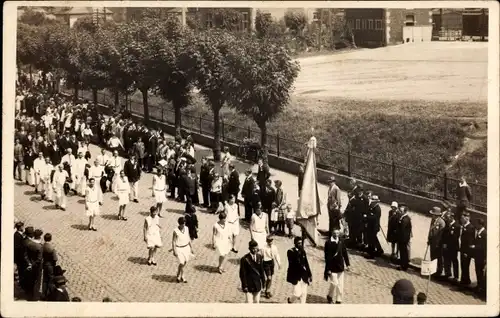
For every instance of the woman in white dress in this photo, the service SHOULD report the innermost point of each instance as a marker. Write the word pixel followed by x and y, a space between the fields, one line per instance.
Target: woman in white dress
pixel 225 161
pixel 259 227
pixel 122 191
pixel 152 235
pixel 92 203
pixel 233 220
pixel 221 240
pixel 181 246
pixel 159 189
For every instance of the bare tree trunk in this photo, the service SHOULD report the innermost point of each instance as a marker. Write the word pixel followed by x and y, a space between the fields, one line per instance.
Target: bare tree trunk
pixel 217 132
pixel 117 98
pixel 94 96
pixel 76 91
pixel 31 77
pixel 263 141
pixel 178 119
pixel 144 92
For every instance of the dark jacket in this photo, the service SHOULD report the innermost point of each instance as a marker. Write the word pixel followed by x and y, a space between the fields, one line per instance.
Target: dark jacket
pixel 55 294
pixel 463 193
pixel 298 267
pixel 451 236
pixel 252 274
pixel 467 238
pixel 404 230
pixel 19 248
pixel 268 198
pixel 262 175
pixel 55 156
pixel 49 254
pixel 480 246
pixel 248 187
pixel 205 175
pixel 392 225
pixel 336 257
pixel 191 184
pixel 373 218
pixel 132 171
pixel 233 186
pixel 192 224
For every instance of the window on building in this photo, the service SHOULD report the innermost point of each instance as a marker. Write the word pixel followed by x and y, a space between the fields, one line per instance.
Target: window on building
pixel 410 20
pixel 210 21
pixel 363 24
pixel 358 24
pixel 245 21
pixel 315 16
pixel 350 23
pixel 378 24
pixel 370 24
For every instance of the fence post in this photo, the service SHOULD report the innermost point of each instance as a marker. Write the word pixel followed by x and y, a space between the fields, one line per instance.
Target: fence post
pixel 278 144
pixel 222 128
pixel 349 171
pixel 445 188
pixel 249 132
pixel 201 130
pixel 393 174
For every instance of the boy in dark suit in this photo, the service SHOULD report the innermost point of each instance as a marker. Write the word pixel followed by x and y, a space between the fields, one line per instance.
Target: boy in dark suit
pixel 336 262
pixel 205 181
pixel 247 194
pixel 404 234
pixel 252 274
pixel 451 245
pixel 480 247
pixel 466 252
pixel 299 273
pixel 233 186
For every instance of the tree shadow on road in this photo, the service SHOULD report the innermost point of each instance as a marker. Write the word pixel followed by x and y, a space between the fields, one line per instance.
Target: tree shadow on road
pixel 178 211
pixel 165 278
pixel 29 192
pixel 144 213
pixel 50 207
pixel 209 246
pixel 234 261
pixel 138 260
pixel 81 201
pixel 206 268
pixel 115 198
pixel 315 299
pixel 109 216
pixel 36 199
pixel 20 183
pixel 80 227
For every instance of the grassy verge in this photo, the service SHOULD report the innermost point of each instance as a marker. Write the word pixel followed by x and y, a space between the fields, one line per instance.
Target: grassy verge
pixel 417 136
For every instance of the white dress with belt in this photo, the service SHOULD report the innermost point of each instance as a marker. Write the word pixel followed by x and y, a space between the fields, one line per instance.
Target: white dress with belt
pixel 92 200
pixel 232 218
pixel 122 190
pixel 159 188
pixel 259 232
pixel 153 237
pixel 182 245
pixel 221 238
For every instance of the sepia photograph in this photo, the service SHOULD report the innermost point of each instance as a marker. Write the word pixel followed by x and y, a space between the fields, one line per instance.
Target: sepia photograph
pixel 312 153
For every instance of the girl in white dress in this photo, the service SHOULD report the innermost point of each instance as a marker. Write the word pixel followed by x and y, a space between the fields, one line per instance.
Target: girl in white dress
pixel 122 190
pixel 159 189
pixel 91 203
pixel 181 246
pixel 221 240
pixel 259 227
pixel 233 220
pixel 225 161
pixel 152 235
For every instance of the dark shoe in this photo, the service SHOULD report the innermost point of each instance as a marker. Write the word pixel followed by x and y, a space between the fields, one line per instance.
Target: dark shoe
pixel 269 295
pixel 404 269
pixel 151 263
pixel 154 263
pixel 289 300
pixel 234 251
pixel 94 229
pixel 338 302
pixel 329 299
pixel 136 201
pixel 119 217
pixel 64 209
pixel 100 203
pixel 124 218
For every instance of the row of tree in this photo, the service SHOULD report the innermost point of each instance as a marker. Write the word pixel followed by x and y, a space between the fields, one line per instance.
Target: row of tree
pixel 251 74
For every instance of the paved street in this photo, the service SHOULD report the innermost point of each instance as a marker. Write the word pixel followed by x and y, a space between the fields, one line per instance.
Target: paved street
pixel 112 261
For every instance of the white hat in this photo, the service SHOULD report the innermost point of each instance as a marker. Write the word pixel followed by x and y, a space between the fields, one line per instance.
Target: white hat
pixel 394 204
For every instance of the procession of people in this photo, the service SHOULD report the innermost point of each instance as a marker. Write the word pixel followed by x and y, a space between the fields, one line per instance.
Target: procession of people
pixel 51 153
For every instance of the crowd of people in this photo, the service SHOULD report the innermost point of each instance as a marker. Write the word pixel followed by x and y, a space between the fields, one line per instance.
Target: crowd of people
pixel 51 153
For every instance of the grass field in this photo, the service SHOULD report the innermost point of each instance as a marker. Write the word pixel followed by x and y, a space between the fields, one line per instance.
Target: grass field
pixel 413 104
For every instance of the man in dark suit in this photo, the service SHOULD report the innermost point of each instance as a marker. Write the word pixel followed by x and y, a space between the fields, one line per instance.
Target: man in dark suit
pixel 464 196
pixel 355 219
pixel 252 274
pixel 434 239
pixel 233 186
pixel 19 250
pixel 49 263
pixel 34 253
pixel 132 170
pixel 55 155
pixel 152 149
pixel 336 262
pixel 466 252
pixel 205 182
pixel 480 249
pixel 299 273
pixel 191 184
pixel 58 290
pixel 404 234
pixel 334 205
pixel 451 245
pixel 373 227
pixel 262 175
pixel 247 194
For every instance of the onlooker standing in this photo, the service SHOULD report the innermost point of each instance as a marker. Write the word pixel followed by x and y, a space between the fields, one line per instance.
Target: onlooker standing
pixel 451 246
pixel 19 251
pixel 252 276
pixel 58 292
pixel 404 233
pixel 49 263
pixel 34 252
pixel 466 241
pixel 434 239
pixel 373 227
pixel 205 182
pixel 133 172
pixel 464 196
pixel 334 205
pixel 290 219
pixel 18 160
pixel 262 175
pixel 140 152
pixel 336 262
pixel 299 273
pixel 233 186
pixel 480 249
pixel 247 194
pixel 392 226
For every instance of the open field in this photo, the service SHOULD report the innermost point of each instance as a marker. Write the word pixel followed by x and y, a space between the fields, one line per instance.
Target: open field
pixel 416 123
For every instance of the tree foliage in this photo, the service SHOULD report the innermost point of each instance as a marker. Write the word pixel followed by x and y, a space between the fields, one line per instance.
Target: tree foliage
pixel 296 21
pixel 263 23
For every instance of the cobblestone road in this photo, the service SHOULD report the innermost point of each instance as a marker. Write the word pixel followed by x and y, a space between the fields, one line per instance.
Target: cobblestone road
pixel 112 261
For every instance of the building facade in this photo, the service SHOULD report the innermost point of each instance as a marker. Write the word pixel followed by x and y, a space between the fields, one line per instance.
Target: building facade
pixel 382 27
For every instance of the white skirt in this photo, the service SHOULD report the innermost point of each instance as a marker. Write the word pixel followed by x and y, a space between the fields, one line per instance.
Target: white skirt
pixel 123 198
pixel 160 196
pixel 234 228
pixel 260 238
pixel 184 254
pixel 154 240
pixel 93 209
pixel 222 247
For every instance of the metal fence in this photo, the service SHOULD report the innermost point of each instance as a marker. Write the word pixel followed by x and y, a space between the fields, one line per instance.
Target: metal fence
pixel 389 174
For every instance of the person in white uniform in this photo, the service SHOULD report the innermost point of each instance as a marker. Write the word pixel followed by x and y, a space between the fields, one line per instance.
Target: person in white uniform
pixel 70 159
pixel 122 190
pixel 45 176
pixel 38 166
pixel 78 172
pixel 60 177
pixel 221 240
pixel 233 220
pixel 259 227
pixel 225 161
pixel 152 235
pixel 159 189
pixel 271 259
pixel 97 172
pixel 92 203
pixel 181 246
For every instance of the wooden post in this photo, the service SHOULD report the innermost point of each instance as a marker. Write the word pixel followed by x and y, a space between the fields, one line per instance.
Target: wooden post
pixel 445 186
pixel 201 130
pixel 393 174
pixel 278 144
pixel 349 171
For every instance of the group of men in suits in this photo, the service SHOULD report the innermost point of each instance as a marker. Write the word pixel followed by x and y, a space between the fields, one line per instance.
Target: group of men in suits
pixel 35 258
